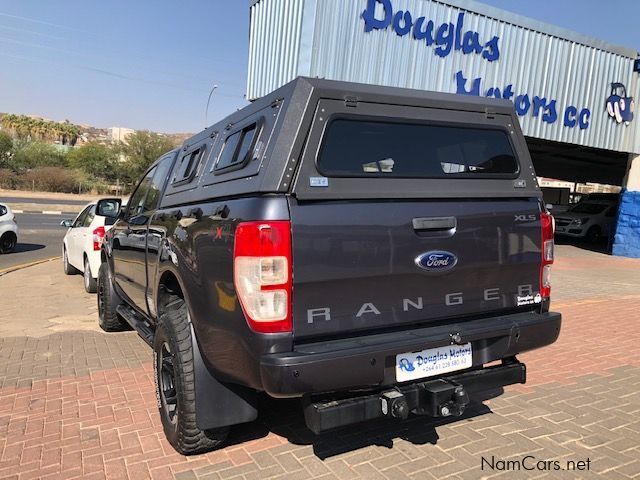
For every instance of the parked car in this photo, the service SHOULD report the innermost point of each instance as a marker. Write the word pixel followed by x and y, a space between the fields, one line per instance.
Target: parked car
pixel 592 220
pixel 365 249
pixel 81 244
pixel 8 229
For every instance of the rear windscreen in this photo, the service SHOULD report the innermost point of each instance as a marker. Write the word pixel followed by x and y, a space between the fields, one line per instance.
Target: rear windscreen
pixel 363 148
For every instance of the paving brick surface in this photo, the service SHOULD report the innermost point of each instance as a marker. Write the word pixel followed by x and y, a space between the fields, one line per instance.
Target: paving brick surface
pixel 78 403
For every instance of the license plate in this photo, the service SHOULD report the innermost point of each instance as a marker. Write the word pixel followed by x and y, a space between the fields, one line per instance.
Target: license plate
pixel 433 361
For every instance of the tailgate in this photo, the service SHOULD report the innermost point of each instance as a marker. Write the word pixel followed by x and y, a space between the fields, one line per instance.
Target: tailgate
pixel 360 265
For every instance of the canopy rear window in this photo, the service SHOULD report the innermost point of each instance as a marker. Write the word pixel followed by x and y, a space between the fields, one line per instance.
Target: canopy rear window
pixel 371 148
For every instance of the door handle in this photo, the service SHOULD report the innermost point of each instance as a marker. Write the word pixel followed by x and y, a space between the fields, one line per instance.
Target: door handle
pixel 435 226
pixel 434 223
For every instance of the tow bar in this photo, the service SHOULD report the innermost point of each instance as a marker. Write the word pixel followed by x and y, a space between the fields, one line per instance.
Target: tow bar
pixel 442 397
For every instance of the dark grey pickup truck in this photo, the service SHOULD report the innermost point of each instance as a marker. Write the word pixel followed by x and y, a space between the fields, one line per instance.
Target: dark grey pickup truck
pixel 366 249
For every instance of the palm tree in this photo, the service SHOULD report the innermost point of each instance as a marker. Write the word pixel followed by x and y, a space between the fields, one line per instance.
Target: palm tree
pixel 66 133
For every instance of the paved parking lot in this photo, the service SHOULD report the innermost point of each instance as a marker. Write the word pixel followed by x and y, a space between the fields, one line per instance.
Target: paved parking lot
pixel 75 402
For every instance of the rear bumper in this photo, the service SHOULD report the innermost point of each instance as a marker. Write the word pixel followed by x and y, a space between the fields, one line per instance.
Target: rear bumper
pixel 94 262
pixel 369 361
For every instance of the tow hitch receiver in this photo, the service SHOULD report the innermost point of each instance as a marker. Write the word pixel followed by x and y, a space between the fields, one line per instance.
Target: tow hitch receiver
pixel 442 397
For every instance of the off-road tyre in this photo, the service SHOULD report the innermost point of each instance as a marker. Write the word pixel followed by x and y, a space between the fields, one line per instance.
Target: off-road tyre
pixel 175 383
pixel 90 283
pixel 108 301
pixel 68 268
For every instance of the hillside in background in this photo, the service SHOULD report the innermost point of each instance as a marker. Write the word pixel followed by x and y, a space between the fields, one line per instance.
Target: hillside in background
pixel 50 130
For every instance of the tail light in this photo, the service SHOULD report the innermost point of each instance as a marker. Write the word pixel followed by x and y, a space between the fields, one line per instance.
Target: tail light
pixel 98 236
pixel 262 274
pixel 546 221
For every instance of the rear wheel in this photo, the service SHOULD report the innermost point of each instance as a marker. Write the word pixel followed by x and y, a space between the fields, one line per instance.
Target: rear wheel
pixel 8 242
pixel 175 384
pixel 108 301
pixel 68 268
pixel 90 284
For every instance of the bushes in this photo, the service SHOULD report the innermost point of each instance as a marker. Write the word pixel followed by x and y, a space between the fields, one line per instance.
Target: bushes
pixel 34 165
pixel 50 179
pixel 37 154
pixel 8 179
pixel 95 160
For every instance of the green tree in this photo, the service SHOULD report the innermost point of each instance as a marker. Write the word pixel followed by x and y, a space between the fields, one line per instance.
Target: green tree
pixel 30 155
pixel 96 160
pixel 141 150
pixel 6 147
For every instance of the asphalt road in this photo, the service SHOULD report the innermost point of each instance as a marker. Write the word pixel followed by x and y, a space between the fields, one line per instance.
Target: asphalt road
pixel 39 237
pixel 44 201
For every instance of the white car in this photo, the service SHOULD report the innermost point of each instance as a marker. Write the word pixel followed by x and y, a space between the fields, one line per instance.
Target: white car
pixel 8 229
pixel 592 220
pixel 82 242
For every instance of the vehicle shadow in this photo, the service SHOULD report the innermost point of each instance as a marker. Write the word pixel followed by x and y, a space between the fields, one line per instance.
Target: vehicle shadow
pixel 27 247
pixel 603 246
pixel 285 418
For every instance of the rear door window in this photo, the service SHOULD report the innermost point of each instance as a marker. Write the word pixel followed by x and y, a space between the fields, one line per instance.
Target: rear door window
pixel 157 183
pixel 80 218
pixel 374 148
pixel 136 202
pixel 91 214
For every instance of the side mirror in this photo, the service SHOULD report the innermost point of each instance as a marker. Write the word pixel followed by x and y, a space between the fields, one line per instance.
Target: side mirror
pixel 66 223
pixel 549 206
pixel 109 207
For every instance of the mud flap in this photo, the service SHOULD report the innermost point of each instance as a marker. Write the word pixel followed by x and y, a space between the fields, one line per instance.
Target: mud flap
pixel 220 404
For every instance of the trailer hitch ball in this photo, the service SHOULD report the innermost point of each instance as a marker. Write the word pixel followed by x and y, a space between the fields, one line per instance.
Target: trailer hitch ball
pixel 458 403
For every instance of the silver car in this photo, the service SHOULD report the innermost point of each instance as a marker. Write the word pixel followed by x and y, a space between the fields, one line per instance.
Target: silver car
pixel 8 229
pixel 592 220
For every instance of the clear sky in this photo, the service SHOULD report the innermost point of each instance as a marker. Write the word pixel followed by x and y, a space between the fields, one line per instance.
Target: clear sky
pixel 150 64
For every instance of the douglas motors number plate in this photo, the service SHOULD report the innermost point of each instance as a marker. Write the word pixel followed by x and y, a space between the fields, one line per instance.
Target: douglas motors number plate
pixel 433 361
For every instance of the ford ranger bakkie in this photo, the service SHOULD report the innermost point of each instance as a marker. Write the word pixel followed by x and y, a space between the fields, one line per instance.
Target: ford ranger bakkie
pixel 376 252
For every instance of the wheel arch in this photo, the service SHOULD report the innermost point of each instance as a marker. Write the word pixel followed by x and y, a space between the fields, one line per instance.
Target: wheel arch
pixel 235 403
pixel 169 285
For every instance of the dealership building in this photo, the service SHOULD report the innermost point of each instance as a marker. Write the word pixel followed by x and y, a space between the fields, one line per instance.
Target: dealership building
pixel 574 95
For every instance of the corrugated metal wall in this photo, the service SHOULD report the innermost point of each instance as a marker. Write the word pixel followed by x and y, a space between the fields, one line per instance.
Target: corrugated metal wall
pixel 326 38
pixel 274 45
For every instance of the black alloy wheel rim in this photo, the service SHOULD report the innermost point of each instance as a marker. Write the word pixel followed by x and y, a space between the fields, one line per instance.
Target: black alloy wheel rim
pixel 167 381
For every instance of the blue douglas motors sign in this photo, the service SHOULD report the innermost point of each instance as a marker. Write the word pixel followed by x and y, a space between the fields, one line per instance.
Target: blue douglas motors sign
pixel 448 38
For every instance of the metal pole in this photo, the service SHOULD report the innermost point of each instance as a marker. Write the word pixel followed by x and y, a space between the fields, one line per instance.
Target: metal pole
pixel 206 112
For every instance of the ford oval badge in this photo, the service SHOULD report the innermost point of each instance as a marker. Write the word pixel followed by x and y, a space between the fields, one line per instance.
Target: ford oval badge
pixel 436 261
